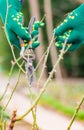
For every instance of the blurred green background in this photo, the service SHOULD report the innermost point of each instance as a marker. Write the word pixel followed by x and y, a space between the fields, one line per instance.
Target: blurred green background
pixel 73 63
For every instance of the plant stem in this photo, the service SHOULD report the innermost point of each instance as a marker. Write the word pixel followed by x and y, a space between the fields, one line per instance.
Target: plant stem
pixel 12 91
pixel 45 60
pixel 33 111
pixel 75 113
pixel 4 108
pixel 7 86
pixel 45 84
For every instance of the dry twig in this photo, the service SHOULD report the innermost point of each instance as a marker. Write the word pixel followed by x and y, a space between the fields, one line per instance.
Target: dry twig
pixel 11 126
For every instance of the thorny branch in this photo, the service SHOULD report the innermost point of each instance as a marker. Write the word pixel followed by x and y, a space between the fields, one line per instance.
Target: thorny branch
pixel 75 113
pixel 45 84
pixel 11 126
pixel 45 60
pixel 8 84
pixel 10 98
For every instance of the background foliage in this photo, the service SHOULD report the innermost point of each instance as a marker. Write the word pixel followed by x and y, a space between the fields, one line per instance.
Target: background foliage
pixel 73 64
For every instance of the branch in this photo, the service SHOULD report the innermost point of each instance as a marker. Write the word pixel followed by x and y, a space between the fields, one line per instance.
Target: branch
pixel 11 126
pixel 34 109
pixel 45 85
pixel 75 114
pixel 45 60
pixel 4 108
pixel 7 86
pixel 12 92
